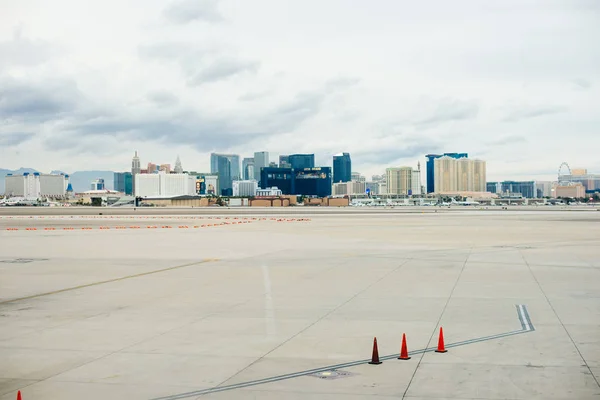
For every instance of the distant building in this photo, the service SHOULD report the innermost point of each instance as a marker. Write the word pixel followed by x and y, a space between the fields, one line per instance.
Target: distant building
pixel 378 178
pixel 431 167
pixel 261 160
pixel 544 189
pixel 416 188
pixel 135 169
pixel 383 187
pixel 301 161
pixel 356 176
pixel 590 182
pixel 399 180
pixel 269 192
pixel 36 185
pixel 248 168
pixel 98 184
pixel 526 189
pixel 178 167
pixel 123 182
pixel 459 175
pixel 312 181
pixel 349 188
pixel 569 191
pixel 164 185
pixel 342 168
pixel 283 178
pixel 273 164
pixel 284 161
pixel 245 188
pixel 579 171
pixel 227 167
pixel 372 187
pixel 166 168
pixel 492 187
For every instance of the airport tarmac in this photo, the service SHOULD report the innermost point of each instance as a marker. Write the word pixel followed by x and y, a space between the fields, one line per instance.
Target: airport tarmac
pixel 287 306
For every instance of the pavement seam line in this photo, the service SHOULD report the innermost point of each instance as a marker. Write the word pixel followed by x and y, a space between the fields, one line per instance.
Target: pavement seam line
pixel 317 321
pixel 559 319
pixel 438 321
pixel 108 281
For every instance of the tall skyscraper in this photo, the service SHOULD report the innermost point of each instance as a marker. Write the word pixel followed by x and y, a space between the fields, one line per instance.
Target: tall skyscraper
pixel 459 175
pixel 248 168
pixel 123 182
pixel 342 168
pixel 284 161
pixel 136 168
pixel 431 167
pixel 399 180
pixel 416 181
pixel 178 167
pixel 301 161
pixel 261 160
pixel 227 167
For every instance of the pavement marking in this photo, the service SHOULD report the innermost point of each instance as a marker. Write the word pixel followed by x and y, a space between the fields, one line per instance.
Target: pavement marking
pixel 526 324
pixel 109 281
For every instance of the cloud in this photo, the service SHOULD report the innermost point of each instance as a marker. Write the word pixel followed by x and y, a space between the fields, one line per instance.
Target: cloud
pixel 254 96
pixel 14 138
pixel 508 140
pixel 526 112
pixel 199 64
pixel 221 69
pixel 162 98
pixel 385 155
pixel 581 83
pixel 186 11
pixel 446 110
pixel 22 51
pixel 36 100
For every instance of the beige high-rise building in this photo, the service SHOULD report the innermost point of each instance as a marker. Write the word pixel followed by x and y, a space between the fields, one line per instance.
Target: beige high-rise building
pixel 480 176
pixel 465 169
pixel 399 180
pixel 445 174
pixel 459 175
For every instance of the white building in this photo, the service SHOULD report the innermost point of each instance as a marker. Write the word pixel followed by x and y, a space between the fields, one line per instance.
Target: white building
pixel 98 184
pixel 164 185
pixel 36 185
pixel 245 188
pixel 356 176
pixel 349 188
pixel 211 185
pixel 416 187
pixel 268 192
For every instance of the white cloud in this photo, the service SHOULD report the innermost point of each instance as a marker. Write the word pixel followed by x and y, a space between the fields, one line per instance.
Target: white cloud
pixel 387 81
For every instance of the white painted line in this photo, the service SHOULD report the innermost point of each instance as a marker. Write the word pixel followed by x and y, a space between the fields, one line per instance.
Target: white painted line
pixel 524 317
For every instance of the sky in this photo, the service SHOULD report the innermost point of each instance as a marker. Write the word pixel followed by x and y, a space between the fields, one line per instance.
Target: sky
pixel 84 84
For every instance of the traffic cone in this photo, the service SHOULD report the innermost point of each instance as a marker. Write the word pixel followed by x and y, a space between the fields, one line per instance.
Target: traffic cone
pixel 375 356
pixel 404 349
pixel 441 348
pixel 19 395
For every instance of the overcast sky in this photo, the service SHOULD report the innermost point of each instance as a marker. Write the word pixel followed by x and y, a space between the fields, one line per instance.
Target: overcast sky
pixel 83 84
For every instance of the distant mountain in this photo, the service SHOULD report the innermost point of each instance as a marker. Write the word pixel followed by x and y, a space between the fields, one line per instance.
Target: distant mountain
pixel 80 180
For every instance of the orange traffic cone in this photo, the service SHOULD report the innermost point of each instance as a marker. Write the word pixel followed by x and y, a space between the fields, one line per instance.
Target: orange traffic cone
pixel 19 395
pixel 441 348
pixel 404 349
pixel 375 356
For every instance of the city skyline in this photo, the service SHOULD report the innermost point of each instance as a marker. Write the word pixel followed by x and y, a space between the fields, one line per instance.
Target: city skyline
pixel 192 77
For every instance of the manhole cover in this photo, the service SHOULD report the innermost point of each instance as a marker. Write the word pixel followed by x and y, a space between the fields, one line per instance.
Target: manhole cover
pixel 333 374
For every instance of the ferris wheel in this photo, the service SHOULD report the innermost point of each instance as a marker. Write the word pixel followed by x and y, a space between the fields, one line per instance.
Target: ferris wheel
pixel 562 176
